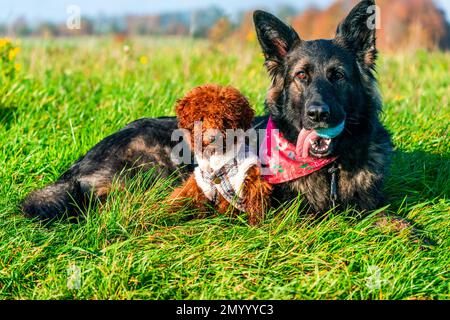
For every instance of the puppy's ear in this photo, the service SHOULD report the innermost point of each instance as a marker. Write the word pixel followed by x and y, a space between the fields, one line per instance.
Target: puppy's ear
pixel 276 38
pixel 357 32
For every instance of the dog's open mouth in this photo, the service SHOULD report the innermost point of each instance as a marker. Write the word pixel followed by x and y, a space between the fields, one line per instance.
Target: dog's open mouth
pixel 320 147
pixel 318 143
pixel 310 144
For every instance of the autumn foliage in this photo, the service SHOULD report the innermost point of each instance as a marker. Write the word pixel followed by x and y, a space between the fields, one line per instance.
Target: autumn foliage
pixel 404 24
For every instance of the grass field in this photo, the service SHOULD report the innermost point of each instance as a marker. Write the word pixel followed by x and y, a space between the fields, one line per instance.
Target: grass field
pixel 69 94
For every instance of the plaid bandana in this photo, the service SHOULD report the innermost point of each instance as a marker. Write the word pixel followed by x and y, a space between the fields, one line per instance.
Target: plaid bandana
pixel 225 175
pixel 285 161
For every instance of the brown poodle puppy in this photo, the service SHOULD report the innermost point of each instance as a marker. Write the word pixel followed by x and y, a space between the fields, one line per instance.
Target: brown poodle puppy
pixel 228 175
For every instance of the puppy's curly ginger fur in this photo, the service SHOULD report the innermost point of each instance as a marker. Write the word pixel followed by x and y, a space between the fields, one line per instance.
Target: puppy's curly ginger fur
pixel 220 108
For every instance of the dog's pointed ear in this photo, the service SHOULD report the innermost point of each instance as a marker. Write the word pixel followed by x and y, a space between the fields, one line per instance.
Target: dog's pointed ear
pixel 358 32
pixel 275 37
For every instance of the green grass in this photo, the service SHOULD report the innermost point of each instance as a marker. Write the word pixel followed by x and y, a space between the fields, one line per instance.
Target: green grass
pixel 70 94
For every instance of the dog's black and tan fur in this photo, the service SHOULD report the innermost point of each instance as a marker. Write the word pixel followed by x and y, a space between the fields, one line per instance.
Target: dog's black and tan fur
pixel 315 84
pixel 142 145
pixel 318 84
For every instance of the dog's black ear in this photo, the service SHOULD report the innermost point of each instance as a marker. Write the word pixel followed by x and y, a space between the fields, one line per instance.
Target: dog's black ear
pixel 357 32
pixel 275 37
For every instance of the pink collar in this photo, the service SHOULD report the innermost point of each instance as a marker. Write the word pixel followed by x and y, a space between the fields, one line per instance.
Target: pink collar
pixel 286 162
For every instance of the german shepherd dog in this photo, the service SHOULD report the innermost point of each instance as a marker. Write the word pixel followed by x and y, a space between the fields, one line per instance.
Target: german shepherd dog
pixel 315 84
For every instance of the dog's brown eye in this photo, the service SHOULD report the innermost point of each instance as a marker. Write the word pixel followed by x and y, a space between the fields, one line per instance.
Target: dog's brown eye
pixel 337 75
pixel 301 75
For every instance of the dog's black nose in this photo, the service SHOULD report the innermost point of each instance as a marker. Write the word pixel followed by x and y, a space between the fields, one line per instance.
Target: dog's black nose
pixel 318 112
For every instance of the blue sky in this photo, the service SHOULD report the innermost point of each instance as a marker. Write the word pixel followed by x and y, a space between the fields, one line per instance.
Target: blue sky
pixel 56 9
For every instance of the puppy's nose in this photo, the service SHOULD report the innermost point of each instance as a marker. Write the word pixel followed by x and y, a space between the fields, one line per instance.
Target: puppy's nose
pixel 318 112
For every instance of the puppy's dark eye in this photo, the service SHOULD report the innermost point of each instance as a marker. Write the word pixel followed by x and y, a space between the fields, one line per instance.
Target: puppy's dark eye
pixel 301 75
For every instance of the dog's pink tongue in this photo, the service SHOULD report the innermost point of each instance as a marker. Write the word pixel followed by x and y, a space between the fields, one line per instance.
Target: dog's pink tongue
pixel 304 142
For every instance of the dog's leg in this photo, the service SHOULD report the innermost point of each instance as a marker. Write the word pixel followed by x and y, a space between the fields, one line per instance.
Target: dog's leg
pixel 188 195
pixel 394 223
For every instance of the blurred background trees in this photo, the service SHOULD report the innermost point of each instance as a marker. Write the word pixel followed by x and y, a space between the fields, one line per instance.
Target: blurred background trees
pixel 405 24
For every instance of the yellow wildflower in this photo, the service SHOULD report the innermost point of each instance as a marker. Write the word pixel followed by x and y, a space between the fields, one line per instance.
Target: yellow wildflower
pixel 4 42
pixel 13 53
pixel 399 97
pixel 17 66
pixel 143 59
